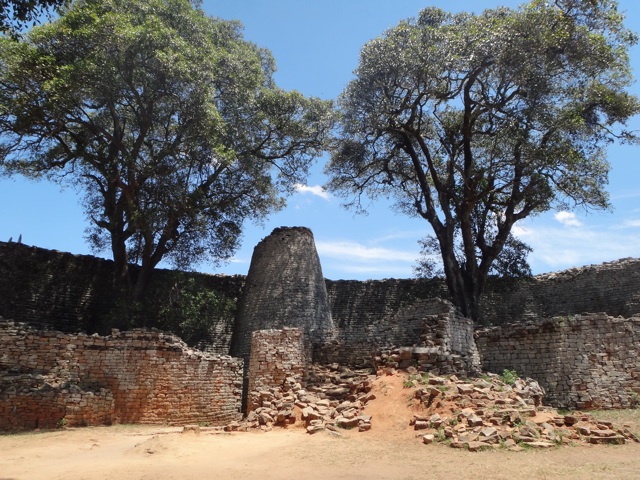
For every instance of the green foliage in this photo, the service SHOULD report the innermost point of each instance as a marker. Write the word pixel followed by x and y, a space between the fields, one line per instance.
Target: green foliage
pixel 167 120
pixel 421 379
pixel 190 311
pixel 476 122
pixel 509 376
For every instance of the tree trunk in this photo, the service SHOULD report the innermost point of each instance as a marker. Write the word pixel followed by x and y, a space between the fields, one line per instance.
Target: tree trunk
pixel 464 288
pixel 121 263
pixel 139 288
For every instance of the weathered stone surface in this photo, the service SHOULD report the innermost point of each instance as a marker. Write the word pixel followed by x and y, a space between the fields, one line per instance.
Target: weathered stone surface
pixel 478 446
pixel 49 379
pixel 284 288
pixel 608 440
pixel 541 444
pixel 477 419
pixel 428 438
pixel 587 361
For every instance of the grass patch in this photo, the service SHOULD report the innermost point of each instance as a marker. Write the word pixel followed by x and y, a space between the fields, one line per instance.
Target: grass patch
pixel 509 376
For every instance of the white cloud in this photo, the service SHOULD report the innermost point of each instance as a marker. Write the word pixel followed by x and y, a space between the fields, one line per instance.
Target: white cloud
pixel 631 223
pixel 316 190
pixel 568 218
pixel 557 248
pixel 353 251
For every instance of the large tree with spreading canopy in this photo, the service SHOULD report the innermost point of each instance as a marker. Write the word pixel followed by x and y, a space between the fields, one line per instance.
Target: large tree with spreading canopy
pixel 475 122
pixel 167 120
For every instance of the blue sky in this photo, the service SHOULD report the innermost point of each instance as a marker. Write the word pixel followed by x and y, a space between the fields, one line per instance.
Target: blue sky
pixel 316 46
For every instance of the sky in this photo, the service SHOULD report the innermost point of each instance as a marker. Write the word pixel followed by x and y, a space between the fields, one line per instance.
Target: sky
pixel 316 46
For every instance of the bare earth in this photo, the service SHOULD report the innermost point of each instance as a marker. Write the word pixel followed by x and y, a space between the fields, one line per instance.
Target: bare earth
pixel 389 451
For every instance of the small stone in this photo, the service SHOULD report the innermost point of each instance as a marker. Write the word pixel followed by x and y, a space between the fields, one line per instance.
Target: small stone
pixel 435 420
pixel 428 438
pixel 603 433
pixel 232 427
pixel 488 432
pixel 364 426
pixel 540 444
pixel 510 442
pixel 612 440
pixel 465 388
pixel 347 422
pixel 570 420
pixel 478 446
pixel 314 429
pixel 583 430
pixel 474 420
pixel 421 425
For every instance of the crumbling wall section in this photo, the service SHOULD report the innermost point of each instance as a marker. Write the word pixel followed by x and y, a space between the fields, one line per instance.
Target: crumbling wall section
pixel 433 324
pixel 277 364
pixel 49 378
pixel 587 361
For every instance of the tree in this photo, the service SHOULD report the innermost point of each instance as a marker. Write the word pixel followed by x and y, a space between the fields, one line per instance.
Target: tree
pixel 168 121
pixel 16 14
pixel 475 122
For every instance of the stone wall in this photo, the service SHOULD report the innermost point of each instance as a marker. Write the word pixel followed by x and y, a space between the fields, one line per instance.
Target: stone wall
pixel 277 363
pixel 612 287
pixel 49 378
pixel 586 361
pixel 284 288
pixel 426 323
pixel 75 293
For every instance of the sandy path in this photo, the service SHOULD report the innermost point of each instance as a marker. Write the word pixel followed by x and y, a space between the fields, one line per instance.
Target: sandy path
pixel 142 453
pixel 389 451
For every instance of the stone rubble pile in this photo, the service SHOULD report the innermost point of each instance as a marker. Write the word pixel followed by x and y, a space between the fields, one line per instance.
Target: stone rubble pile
pixel 487 412
pixel 333 399
pixel 431 358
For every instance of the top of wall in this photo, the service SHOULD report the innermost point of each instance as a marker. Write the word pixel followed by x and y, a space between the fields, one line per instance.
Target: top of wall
pixel 71 292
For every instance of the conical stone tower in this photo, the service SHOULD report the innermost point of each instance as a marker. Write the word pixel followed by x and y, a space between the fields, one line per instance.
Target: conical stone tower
pixel 284 288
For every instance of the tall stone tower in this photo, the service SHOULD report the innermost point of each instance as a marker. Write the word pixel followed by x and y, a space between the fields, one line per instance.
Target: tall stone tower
pixel 284 288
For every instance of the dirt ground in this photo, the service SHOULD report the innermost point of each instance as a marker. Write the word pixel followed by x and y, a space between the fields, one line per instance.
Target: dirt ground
pixel 389 451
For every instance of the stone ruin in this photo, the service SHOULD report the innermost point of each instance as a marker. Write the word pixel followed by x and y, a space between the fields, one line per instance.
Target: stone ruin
pixel 50 379
pixel 290 323
pixel 284 288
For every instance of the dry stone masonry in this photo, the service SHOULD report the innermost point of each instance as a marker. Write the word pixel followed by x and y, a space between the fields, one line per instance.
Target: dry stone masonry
pixel 498 412
pixel 612 287
pixel 56 373
pixel 438 337
pixel 49 379
pixel 52 290
pixel 277 362
pixel 284 288
pixel 585 361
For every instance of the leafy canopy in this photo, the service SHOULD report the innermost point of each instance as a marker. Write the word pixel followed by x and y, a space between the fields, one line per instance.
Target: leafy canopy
pixel 475 122
pixel 168 121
